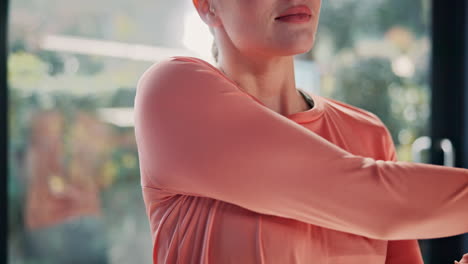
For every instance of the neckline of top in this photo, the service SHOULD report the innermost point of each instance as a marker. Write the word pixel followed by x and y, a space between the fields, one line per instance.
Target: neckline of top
pixel 308 115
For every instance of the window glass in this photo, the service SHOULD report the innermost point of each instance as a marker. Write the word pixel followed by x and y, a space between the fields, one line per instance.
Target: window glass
pixel 374 54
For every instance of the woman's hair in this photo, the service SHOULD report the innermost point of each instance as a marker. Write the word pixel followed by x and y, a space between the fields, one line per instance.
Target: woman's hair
pixel 214 48
pixel 214 51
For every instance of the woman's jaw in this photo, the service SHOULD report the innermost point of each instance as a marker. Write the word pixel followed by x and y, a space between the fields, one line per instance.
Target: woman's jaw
pixel 280 29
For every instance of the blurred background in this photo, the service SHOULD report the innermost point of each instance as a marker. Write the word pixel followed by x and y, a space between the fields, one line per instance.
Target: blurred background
pixel 73 184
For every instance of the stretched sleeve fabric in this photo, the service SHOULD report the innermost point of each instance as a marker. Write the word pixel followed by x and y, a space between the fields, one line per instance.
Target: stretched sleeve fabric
pixel 400 251
pixel 403 252
pixel 199 134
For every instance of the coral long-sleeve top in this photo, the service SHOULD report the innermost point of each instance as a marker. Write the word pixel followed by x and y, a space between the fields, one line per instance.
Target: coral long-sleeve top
pixel 227 180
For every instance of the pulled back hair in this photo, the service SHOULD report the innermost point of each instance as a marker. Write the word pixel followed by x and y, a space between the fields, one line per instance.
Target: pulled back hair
pixel 214 48
pixel 214 51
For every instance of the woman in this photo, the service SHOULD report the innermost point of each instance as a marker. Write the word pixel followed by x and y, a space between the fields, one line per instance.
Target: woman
pixel 237 167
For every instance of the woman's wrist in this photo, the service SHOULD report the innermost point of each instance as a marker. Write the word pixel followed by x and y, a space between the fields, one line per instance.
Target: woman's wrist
pixel 464 259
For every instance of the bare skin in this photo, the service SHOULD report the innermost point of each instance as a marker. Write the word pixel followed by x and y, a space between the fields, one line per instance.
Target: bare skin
pixel 464 259
pixel 256 51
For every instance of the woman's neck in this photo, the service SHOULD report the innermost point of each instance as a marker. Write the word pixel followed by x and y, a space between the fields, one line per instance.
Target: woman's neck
pixel 269 80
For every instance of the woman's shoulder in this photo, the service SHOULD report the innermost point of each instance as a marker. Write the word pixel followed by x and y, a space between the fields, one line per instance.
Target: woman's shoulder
pixel 177 71
pixel 173 65
pixel 353 113
pixel 364 123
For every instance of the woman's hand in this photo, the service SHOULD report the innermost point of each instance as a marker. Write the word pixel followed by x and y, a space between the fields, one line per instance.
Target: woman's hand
pixel 464 260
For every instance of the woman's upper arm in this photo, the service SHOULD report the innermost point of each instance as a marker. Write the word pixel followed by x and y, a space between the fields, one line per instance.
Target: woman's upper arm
pixel 198 134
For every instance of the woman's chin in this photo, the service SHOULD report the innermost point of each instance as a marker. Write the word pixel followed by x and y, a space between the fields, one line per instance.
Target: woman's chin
pixel 295 50
pixel 289 49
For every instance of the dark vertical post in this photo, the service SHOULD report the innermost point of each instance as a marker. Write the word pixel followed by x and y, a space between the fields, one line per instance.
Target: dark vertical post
pixel 3 131
pixel 464 135
pixel 464 153
pixel 449 112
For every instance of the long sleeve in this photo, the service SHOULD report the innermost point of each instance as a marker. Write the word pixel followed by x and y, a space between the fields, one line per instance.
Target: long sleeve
pixel 400 251
pixel 199 134
pixel 403 252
